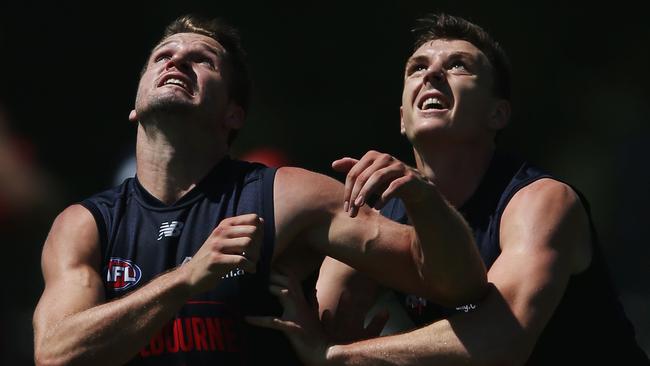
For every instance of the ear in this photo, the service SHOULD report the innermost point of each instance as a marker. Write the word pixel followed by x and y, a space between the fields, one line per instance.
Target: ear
pixel 234 116
pixel 133 117
pixel 402 129
pixel 500 115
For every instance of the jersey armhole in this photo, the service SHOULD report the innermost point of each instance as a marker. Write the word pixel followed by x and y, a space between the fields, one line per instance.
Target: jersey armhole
pixel 99 221
pixel 268 214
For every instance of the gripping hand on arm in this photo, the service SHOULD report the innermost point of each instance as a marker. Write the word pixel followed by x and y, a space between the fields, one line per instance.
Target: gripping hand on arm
pixel 444 251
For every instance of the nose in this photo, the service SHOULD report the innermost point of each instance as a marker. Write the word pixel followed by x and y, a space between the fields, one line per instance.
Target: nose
pixel 180 61
pixel 434 74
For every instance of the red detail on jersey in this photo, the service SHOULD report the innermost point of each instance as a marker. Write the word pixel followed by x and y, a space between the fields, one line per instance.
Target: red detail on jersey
pixel 194 333
pixel 122 274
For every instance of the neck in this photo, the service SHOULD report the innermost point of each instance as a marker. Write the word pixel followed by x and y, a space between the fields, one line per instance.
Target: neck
pixel 457 170
pixel 170 165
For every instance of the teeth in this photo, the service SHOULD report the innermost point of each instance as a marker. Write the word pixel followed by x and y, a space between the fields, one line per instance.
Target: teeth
pixel 432 102
pixel 176 82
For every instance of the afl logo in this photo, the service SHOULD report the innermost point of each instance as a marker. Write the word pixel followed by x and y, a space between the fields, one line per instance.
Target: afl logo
pixel 122 274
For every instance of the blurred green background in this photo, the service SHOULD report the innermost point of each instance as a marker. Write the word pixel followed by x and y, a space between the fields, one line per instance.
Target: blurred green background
pixel 327 83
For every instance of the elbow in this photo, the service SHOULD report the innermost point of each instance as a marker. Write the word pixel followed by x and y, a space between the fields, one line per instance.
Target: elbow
pixel 44 359
pixel 44 355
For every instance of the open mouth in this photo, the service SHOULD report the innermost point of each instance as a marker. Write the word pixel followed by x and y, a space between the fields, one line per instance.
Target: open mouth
pixel 433 103
pixel 177 81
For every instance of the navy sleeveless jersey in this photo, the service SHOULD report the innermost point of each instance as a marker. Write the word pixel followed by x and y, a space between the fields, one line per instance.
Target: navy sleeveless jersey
pixel 141 238
pixel 589 325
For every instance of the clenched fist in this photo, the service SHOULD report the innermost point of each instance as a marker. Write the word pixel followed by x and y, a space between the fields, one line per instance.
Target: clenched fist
pixel 234 243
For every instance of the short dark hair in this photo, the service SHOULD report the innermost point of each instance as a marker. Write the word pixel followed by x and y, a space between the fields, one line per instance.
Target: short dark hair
pixel 238 78
pixel 444 26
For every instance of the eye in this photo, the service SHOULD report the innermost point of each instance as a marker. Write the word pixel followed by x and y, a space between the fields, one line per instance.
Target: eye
pixel 206 62
pixel 416 68
pixel 458 65
pixel 162 57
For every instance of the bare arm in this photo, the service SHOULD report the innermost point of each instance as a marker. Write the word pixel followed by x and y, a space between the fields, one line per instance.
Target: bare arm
pixel 545 239
pixel 436 258
pixel 72 322
pixel 445 254
pixel 345 298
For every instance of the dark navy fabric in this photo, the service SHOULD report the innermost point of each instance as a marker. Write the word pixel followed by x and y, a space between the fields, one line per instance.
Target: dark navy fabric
pixel 588 326
pixel 142 237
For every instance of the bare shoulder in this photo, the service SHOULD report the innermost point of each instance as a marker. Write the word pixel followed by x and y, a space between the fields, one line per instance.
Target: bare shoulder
pixel 548 214
pixel 70 263
pixel 546 197
pixel 303 200
pixel 73 238
pixel 307 190
pixel 76 215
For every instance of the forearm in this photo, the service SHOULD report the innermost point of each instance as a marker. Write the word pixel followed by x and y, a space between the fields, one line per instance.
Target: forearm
pixel 445 253
pixel 112 333
pixel 489 335
pixel 418 347
pixel 436 344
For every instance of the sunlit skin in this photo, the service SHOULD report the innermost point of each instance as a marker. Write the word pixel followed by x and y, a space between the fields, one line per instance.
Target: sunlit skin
pixel 184 114
pixel 194 60
pixel 459 75
pixel 191 116
pixel 456 138
pixel 451 113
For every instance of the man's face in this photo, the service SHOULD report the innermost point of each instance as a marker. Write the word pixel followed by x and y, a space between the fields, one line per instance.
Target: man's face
pixel 184 74
pixel 448 93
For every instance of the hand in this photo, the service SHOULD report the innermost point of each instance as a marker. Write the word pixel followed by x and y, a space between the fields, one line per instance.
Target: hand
pixel 299 321
pixel 376 178
pixel 234 243
pixel 346 324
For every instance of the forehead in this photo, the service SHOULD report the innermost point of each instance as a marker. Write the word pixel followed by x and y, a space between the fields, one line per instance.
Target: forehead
pixel 445 47
pixel 191 39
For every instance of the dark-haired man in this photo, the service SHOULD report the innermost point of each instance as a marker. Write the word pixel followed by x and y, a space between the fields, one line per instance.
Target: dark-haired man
pixel 162 269
pixel 550 301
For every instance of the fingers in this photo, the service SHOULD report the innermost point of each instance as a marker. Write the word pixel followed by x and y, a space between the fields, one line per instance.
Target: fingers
pixel 394 185
pixel 368 178
pixel 301 325
pixel 287 299
pixel 239 231
pixel 343 165
pixel 232 261
pixel 233 248
pixel 244 246
pixel 288 290
pixel 350 181
pixel 246 219
pixel 373 191
pixel 273 323
pixel 378 177
pixel 359 175
pixel 238 235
